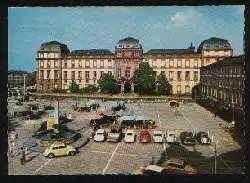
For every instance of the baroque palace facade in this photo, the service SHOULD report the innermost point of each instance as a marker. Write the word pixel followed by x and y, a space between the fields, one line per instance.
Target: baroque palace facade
pixel 57 67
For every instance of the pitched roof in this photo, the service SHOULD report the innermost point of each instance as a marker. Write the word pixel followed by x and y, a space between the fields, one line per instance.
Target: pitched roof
pixel 91 52
pixel 54 46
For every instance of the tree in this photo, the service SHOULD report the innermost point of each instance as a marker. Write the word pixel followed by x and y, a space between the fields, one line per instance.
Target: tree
pixel 89 89
pixel 144 79
pixel 107 83
pixel 73 87
pixel 163 86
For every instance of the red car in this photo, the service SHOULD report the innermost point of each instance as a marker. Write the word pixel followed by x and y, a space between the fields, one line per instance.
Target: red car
pixel 145 136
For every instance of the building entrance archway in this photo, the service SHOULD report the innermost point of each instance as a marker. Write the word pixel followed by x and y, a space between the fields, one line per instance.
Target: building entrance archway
pixel 127 87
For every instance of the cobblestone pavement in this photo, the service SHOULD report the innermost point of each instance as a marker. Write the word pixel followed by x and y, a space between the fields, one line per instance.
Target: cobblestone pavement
pixel 105 157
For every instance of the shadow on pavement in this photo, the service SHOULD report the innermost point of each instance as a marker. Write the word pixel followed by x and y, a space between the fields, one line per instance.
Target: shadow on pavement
pixel 227 163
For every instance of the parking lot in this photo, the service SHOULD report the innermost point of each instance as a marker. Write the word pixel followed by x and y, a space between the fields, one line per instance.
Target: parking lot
pixel 113 158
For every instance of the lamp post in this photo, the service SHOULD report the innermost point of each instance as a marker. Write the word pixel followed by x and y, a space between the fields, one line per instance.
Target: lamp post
pixel 215 155
pixel 24 86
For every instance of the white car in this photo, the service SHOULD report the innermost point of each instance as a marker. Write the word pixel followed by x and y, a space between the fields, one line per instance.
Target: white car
pixel 129 136
pixel 100 135
pixel 159 136
pixel 171 137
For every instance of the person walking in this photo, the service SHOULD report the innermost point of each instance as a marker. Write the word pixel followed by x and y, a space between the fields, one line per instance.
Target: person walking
pixel 22 159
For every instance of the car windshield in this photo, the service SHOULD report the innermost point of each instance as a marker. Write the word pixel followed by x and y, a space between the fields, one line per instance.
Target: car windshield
pixel 130 134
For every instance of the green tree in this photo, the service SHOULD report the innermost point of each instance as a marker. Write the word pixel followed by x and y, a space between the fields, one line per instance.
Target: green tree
pixel 144 79
pixel 163 86
pixel 89 89
pixel 107 83
pixel 73 87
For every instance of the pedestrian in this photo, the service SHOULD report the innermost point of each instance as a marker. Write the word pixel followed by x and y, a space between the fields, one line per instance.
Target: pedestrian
pixel 22 159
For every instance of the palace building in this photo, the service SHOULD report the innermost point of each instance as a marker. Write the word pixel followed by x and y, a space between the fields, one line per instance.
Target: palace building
pixel 57 67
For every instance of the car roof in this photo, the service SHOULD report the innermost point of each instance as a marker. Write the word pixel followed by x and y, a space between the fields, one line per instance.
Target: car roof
pixel 155 168
pixel 57 143
pixel 176 161
pixel 100 131
pixel 158 131
pixel 130 131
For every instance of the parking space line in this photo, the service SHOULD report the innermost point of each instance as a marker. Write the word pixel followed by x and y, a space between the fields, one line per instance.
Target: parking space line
pixel 43 165
pixel 104 170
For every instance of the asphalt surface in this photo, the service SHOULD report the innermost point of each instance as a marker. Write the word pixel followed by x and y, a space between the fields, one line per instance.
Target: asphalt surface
pixel 114 158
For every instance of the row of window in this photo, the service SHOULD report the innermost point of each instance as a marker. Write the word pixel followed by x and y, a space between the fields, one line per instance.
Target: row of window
pixel 48 55
pixel 73 74
pixel 223 70
pixel 128 54
pixel 165 63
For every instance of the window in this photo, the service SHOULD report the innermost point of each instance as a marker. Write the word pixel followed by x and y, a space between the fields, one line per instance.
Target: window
pixel 94 74
pixel 45 55
pixel 195 75
pixel 41 74
pixel 65 64
pixel 48 74
pixel 163 63
pixel 187 63
pixel 127 72
pixel 79 74
pixel 95 63
pixel 154 74
pixel 154 64
pixel 86 75
pixel 171 63
pixel 41 64
pixel 119 72
pixel 179 63
pixel 55 74
pixel 72 75
pixel 187 76
pixel 48 63
pixel 87 64
pixel 109 63
pixel 56 55
pixel 56 63
pixel 101 73
pixel 65 75
pixel 195 63
pixel 73 64
pixel 110 73
pixel 102 64
pixel 128 54
pixel 162 72
pixel 170 75
pixel 187 89
pixel 79 64
pixel 179 75
pixel 178 88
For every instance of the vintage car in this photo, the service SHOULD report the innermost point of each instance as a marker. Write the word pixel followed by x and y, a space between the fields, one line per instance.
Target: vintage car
pixel 178 166
pixel 150 170
pixel 100 135
pixel 59 149
pixel 114 135
pixel 130 136
pixel 159 136
pixel 203 138
pixel 188 138
pixel 171 136
pixel 174 103
pixel 145 136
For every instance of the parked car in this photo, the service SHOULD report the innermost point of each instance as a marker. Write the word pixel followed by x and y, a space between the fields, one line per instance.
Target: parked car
pixel 59 149
pixel 159 136
pixel 100 135
pixel 203 138
pixel 178 166
pixel 145 136
pixel 114 135
pixel 171 137
pixel 187 138
pixel 150 170
pixel 130 136
pixel 174 103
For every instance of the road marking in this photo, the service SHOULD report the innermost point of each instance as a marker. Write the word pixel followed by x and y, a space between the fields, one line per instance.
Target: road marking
pixel 37 170
pixel 104 170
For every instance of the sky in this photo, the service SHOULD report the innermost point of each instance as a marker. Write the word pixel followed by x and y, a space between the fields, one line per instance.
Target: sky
pixel 102 27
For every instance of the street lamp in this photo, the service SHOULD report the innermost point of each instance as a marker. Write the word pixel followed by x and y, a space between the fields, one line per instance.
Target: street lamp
pixel 215 155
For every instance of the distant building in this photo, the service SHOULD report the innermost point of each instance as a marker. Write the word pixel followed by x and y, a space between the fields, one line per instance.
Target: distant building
pixel 222 83
pixel 57 67
pixel 16 78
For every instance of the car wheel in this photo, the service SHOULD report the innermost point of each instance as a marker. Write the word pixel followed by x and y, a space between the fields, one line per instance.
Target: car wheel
pixel 51 155
pixel 72 153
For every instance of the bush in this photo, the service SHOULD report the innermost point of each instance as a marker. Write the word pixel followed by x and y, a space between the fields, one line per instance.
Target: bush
pixel 89 89
pixel 57 90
